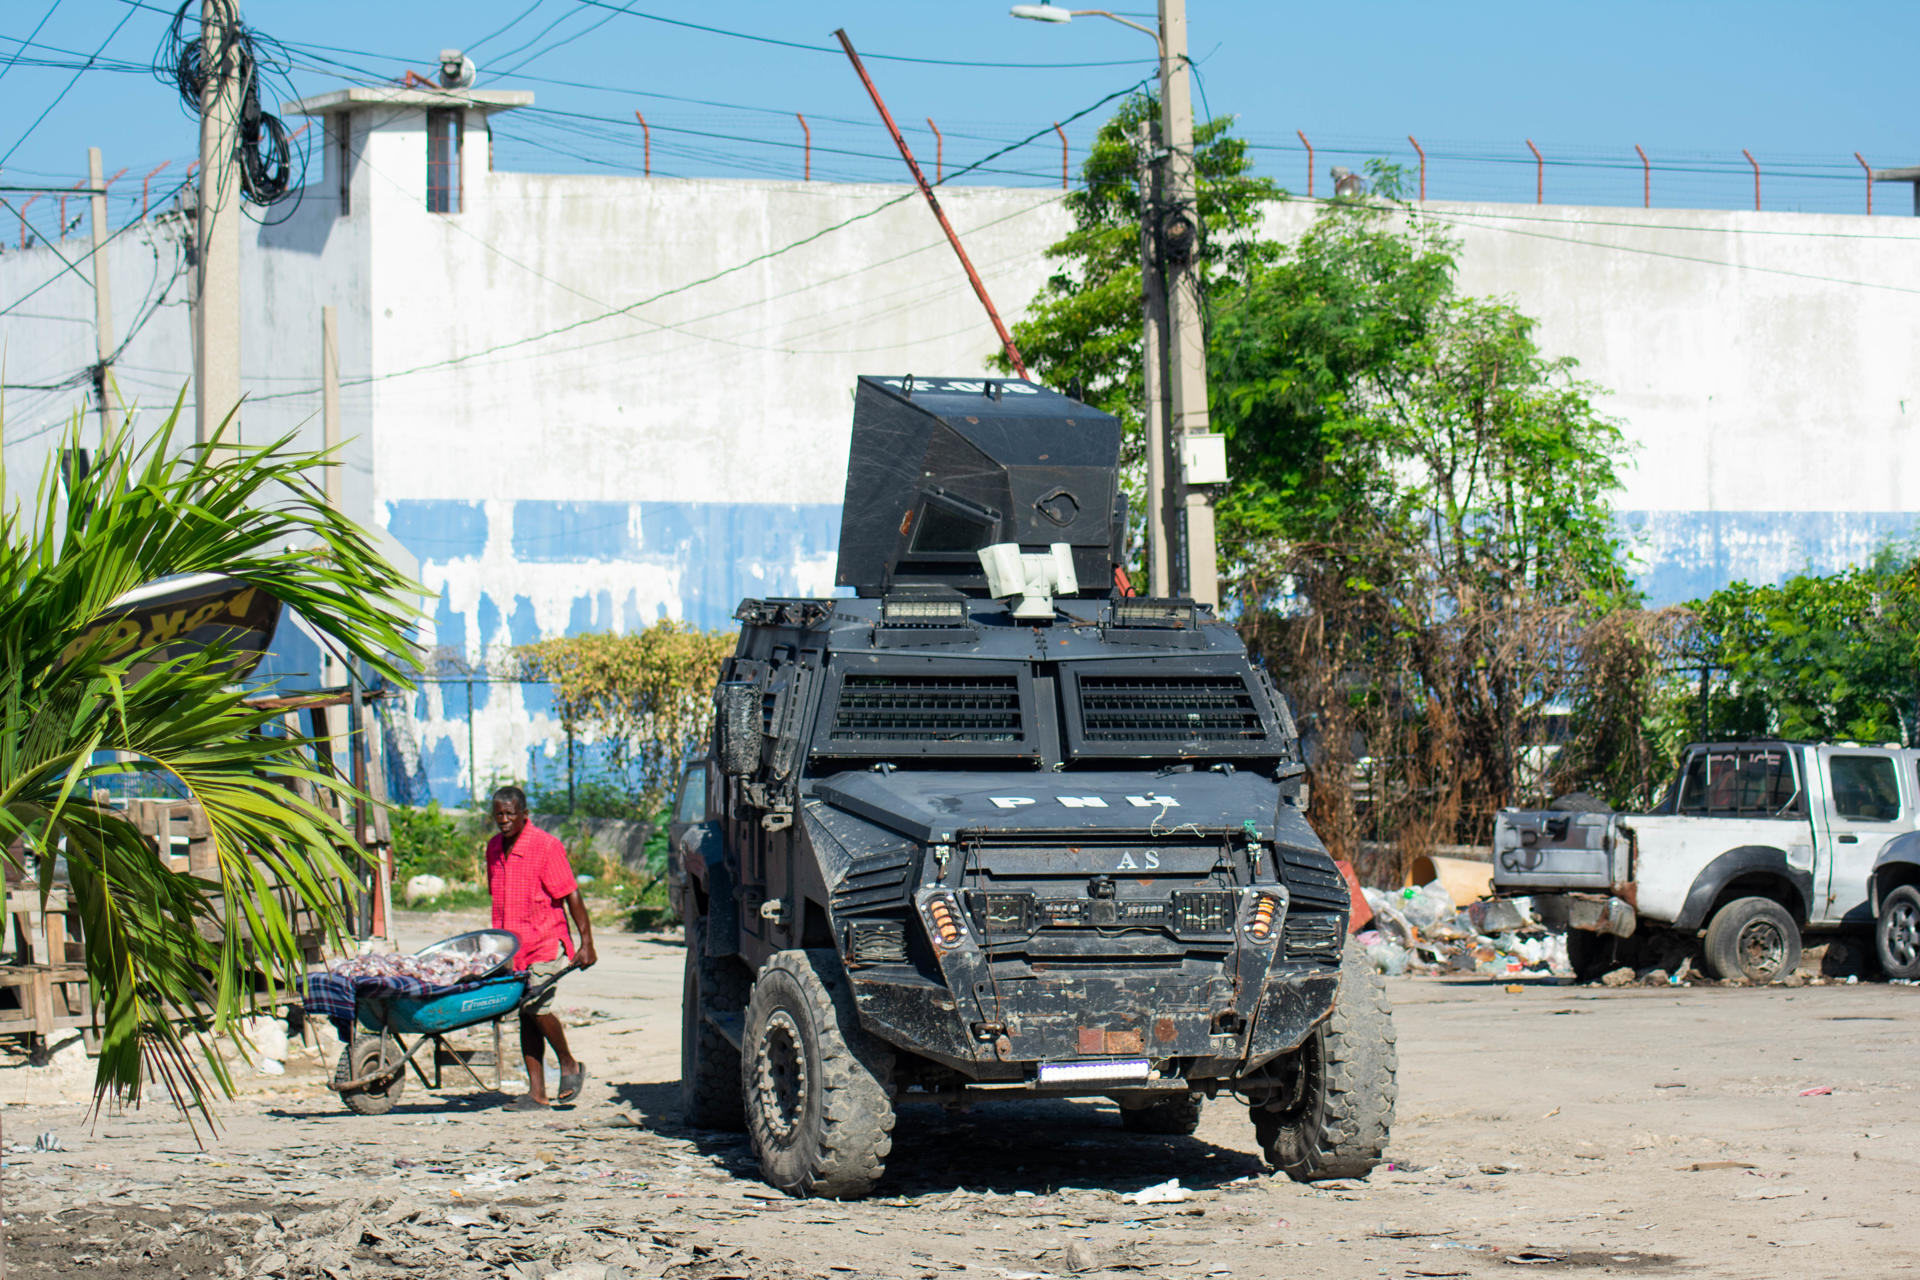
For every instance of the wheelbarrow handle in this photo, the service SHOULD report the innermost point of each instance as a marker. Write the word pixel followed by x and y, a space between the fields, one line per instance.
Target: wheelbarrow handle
pixel 536 990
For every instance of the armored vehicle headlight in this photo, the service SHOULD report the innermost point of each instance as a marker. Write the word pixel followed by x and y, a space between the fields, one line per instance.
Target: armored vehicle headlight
pixel 942 913
pixel 924 611
pixel 1151 612
pixel 1265 910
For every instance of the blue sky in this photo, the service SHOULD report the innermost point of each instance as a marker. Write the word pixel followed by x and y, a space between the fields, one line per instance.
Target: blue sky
pixel 1801 86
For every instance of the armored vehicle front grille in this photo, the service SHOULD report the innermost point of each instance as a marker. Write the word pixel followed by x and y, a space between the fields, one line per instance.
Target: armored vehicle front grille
pixel 1312 881
pixel 876 942
pixel 945 708
pixel 1204 708
pixel 1314 935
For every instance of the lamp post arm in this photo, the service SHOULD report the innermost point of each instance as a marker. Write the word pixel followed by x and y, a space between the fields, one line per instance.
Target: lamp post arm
pixel 1102 13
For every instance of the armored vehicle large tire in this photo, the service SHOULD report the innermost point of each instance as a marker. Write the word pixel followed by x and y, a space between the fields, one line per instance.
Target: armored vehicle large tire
pixel 1896 934
pixel 1752 940
pixel 1332 1118
pixel 709 1064
pixel 1173 1117
pixel 818 1089
pixel 361 1058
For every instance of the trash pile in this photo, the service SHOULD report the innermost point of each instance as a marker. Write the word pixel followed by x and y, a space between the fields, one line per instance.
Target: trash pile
pixel 1421 930
pixel 441 969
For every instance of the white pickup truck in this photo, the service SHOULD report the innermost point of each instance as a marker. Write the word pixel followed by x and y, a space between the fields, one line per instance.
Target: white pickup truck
pixel 1754 843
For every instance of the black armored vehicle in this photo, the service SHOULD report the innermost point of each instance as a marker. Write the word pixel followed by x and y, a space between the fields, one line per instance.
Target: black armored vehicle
pixel 995 827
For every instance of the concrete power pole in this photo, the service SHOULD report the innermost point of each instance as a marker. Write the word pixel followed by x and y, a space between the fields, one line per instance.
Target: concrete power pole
pixel 1179 232
pixel 102 297
pixel 1153 307
pixel 217 287
pixel 330 399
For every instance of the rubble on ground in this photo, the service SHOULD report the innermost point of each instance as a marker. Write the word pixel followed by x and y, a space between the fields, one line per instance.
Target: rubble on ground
pixel 1421 930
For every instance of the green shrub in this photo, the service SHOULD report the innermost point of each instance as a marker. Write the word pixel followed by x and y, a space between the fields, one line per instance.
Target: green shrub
pixel 437 842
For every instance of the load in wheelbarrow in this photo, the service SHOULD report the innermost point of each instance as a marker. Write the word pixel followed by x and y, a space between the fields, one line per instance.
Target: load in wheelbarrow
pixel 373 1066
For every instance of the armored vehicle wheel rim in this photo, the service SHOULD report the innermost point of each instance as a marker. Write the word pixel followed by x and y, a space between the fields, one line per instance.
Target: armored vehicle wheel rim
pixel 782 1085
pixel 1903 931
pixel 1761 947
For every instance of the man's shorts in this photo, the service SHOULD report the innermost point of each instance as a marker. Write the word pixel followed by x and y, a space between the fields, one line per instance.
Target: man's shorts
pixel 538 973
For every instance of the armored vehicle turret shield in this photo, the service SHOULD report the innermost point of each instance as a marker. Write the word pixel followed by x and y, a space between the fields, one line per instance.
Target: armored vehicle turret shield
pixel 941 468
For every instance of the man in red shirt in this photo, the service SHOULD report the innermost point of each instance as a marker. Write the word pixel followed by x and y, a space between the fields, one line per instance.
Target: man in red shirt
pixel 534 892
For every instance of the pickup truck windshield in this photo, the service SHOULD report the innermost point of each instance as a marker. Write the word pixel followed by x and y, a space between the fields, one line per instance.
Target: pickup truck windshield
pixel 1749 782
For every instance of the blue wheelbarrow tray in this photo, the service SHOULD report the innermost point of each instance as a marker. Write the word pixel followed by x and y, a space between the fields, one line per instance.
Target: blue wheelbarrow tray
pixel 441 1012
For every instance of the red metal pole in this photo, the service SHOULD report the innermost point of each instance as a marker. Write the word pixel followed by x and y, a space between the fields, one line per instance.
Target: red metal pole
pixel 646 146
pixel 1419 151
pixel 23 217
pixel 1646 179
pixel 803 128
pixel 1756 177
pixel 146 183
pixel 1063 154
pixel 920 179
pixel 1539 174
pixel 1869 169
pixel 1309 146
pixel 939 153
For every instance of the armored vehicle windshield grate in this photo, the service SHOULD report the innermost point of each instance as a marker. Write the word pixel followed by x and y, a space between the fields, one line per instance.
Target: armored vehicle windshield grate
pixel 1203 708
pixel 914 708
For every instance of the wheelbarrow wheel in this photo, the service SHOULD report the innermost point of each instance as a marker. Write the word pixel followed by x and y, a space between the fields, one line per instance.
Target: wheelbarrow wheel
pixel 362 1058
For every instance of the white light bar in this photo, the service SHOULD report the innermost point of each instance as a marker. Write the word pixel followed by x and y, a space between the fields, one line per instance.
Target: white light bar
pixel 1088 1072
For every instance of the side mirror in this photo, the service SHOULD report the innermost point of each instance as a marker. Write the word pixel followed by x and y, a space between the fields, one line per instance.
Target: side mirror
pixel 739 727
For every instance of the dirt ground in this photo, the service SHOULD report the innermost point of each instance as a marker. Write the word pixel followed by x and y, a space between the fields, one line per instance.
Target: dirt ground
pixel 1631 1131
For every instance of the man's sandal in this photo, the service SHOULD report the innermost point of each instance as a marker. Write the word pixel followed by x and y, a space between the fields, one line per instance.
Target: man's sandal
pixel 571 1082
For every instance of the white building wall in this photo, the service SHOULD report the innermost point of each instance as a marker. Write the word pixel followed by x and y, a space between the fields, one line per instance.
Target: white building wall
pixel 569 425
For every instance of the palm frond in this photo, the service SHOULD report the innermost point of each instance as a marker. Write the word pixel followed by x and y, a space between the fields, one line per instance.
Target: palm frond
pixel 80 708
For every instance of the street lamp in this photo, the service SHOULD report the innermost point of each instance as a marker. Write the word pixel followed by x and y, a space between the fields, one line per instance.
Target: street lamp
pixel 1054 13
pixel 1200 457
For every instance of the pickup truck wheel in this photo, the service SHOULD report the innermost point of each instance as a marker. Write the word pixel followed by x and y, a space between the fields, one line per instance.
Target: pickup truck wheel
pixel 1332 1118
pixel 818 1089
pixel 1752 940
pixel 1169 1117
pixel 709 1064
pixel 1896 934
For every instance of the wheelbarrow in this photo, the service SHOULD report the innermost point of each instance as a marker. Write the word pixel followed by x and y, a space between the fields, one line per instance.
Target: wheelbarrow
pixel 373 1066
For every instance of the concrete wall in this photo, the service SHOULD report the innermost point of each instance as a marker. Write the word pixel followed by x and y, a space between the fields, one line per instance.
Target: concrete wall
pixel 570 426
pixel 1762 364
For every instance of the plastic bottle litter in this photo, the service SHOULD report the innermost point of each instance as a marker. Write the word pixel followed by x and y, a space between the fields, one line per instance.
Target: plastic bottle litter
pixel 1387 954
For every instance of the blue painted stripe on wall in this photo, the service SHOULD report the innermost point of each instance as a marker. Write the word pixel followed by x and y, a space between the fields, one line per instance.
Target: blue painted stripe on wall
pixel 438 529
pixel 1683 555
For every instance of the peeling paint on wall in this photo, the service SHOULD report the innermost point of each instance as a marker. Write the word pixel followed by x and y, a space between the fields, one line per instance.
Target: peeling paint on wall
pixel 1683 555
pixel 508 572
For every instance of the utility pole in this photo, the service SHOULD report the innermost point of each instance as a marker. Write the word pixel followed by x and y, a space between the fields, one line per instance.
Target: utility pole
pixel 102 297
pixel 1179 233
pixel 217 285
pixel 1153 319
pixel 330 399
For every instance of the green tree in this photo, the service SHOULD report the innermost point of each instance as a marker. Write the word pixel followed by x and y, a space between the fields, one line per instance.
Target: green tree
pixel 648 694
pixel 1084 327
pixel 78 712
pixel 1419 527
pixel 1833 657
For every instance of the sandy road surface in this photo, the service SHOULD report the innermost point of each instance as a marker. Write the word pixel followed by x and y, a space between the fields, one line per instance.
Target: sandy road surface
pixel 1632 1131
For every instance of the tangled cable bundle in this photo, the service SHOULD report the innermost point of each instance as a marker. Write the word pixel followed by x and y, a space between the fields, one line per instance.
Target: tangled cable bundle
pixel 265 152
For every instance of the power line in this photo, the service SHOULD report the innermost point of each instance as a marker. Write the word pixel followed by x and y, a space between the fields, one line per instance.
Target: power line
pixel 31 34
pixel 877 57
pixel 512 23
pixel 61 96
